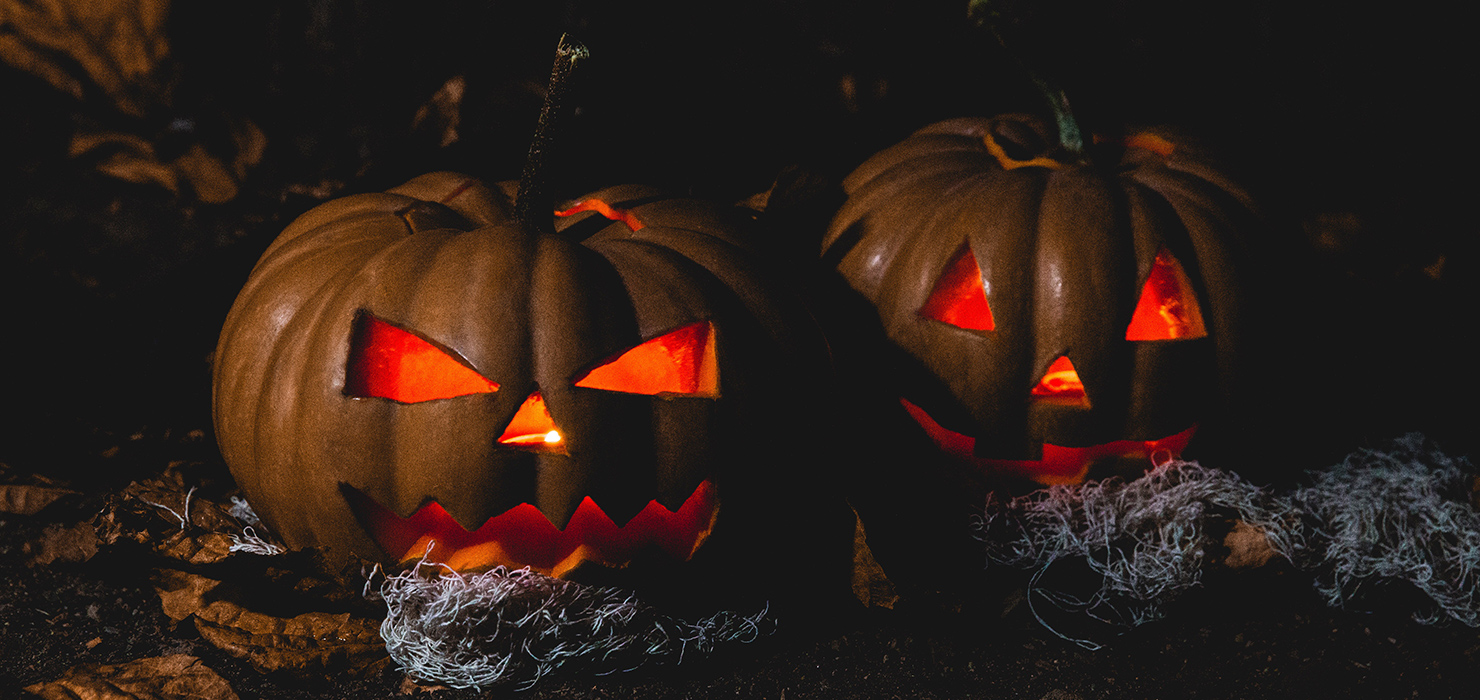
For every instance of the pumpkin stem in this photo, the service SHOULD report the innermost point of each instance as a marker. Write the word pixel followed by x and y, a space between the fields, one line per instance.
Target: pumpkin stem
pixel 533 204
pixel 987 14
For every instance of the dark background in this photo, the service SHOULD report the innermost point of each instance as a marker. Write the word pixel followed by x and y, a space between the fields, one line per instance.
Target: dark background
pixel 1350 123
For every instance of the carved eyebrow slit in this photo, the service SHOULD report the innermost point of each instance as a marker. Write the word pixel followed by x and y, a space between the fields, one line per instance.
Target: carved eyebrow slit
pixel 604 209
pixel 392 363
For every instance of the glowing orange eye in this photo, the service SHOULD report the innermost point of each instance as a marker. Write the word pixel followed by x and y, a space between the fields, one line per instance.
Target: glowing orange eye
pixel 959 297
pixel 390 363
pixel 1168 307
pixel 681 362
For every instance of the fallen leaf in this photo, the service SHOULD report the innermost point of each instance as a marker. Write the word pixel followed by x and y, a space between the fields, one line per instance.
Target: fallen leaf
pixel 118 46
pixel 308 643
pixel 196 171
pixel 409 686
pixel 442 114
pixel 74 543
pixel 313 642
pixel 20 499
pixel 871 586
pixel 1248 546
pixel 208 548
pixel 153 511
pixel 175 677
pixel 182 594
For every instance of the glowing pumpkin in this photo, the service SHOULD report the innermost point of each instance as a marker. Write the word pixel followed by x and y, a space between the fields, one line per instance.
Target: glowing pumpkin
pixel 414 373
pixel 1057 314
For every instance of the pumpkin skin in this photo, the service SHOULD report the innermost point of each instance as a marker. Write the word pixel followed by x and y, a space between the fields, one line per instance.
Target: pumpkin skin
pixel 441 258
pixel 1064 253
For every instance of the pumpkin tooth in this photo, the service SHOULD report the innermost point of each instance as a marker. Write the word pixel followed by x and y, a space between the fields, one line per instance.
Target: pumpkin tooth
pixel 622 507
pixel 581 554
pixel 481 556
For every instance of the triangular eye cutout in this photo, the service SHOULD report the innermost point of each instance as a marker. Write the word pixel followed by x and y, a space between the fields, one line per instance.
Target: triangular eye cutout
pixel 390 363
pixel 1060 385
pixel 680 362
pixel 959 297
pixel 1167 309
pixel 532 428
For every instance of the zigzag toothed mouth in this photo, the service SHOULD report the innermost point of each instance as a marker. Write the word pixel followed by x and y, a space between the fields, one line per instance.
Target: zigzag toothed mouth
pixel 522 536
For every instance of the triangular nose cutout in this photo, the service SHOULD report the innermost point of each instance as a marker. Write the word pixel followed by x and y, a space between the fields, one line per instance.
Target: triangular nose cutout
pixel 1060 385
pixel 532 428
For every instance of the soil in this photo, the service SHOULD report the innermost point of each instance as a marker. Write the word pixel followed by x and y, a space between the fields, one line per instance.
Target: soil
pixel 113 292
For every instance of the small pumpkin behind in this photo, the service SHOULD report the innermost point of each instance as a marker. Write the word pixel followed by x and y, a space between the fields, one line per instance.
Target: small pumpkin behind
pixel 1056 316
pixel 415 373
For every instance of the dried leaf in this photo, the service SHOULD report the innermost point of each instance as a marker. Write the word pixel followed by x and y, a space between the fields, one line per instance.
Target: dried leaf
pixel 117 45
pixel 20 499
pixel 182 595
pixel 409 686
pixel 1248 546
pixel 175 677
pixel 442 114
pixel 73 543
pixel 208 548
pixel 152 512
pixel 212 180
pixel 314 642
pixel 871 586
pixel 208 176
pixel 307 643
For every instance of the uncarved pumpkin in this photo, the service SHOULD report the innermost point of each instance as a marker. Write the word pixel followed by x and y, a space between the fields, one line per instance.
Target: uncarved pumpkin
pixel 1055 314
pixel 413 371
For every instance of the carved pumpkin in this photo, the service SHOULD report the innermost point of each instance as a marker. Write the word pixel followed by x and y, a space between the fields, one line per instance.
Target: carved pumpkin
pixel 414 372
pixel 1055 314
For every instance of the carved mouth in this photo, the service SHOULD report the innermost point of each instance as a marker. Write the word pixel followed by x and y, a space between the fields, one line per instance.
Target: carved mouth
pixel 522 536
pixel 1059 465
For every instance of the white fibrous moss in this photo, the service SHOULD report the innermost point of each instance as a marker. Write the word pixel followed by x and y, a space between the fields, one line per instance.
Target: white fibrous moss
pixel 1401 515
pixel 241 510
pixel 1397 515
pixel 251 543
pixel 513 627
pixel 1147 539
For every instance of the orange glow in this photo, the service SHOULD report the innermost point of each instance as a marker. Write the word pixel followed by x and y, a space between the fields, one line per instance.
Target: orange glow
pixel 1151 142
pixel 605 210
pixel 532 428
pixel 1059 465
pixel 681 361
pixel 959 297
pixel 390 363
pixel 1009 163
pixel 523 536
pixel 1167 309
pixel 1061 385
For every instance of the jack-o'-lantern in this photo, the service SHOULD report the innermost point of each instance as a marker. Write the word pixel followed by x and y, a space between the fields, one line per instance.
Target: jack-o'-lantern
pixel 416 374
pixel 1057 313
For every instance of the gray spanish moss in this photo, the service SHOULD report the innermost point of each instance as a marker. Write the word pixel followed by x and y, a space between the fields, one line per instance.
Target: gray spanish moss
pixel 516 626
pixel 1401 515
pixel 1147 539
